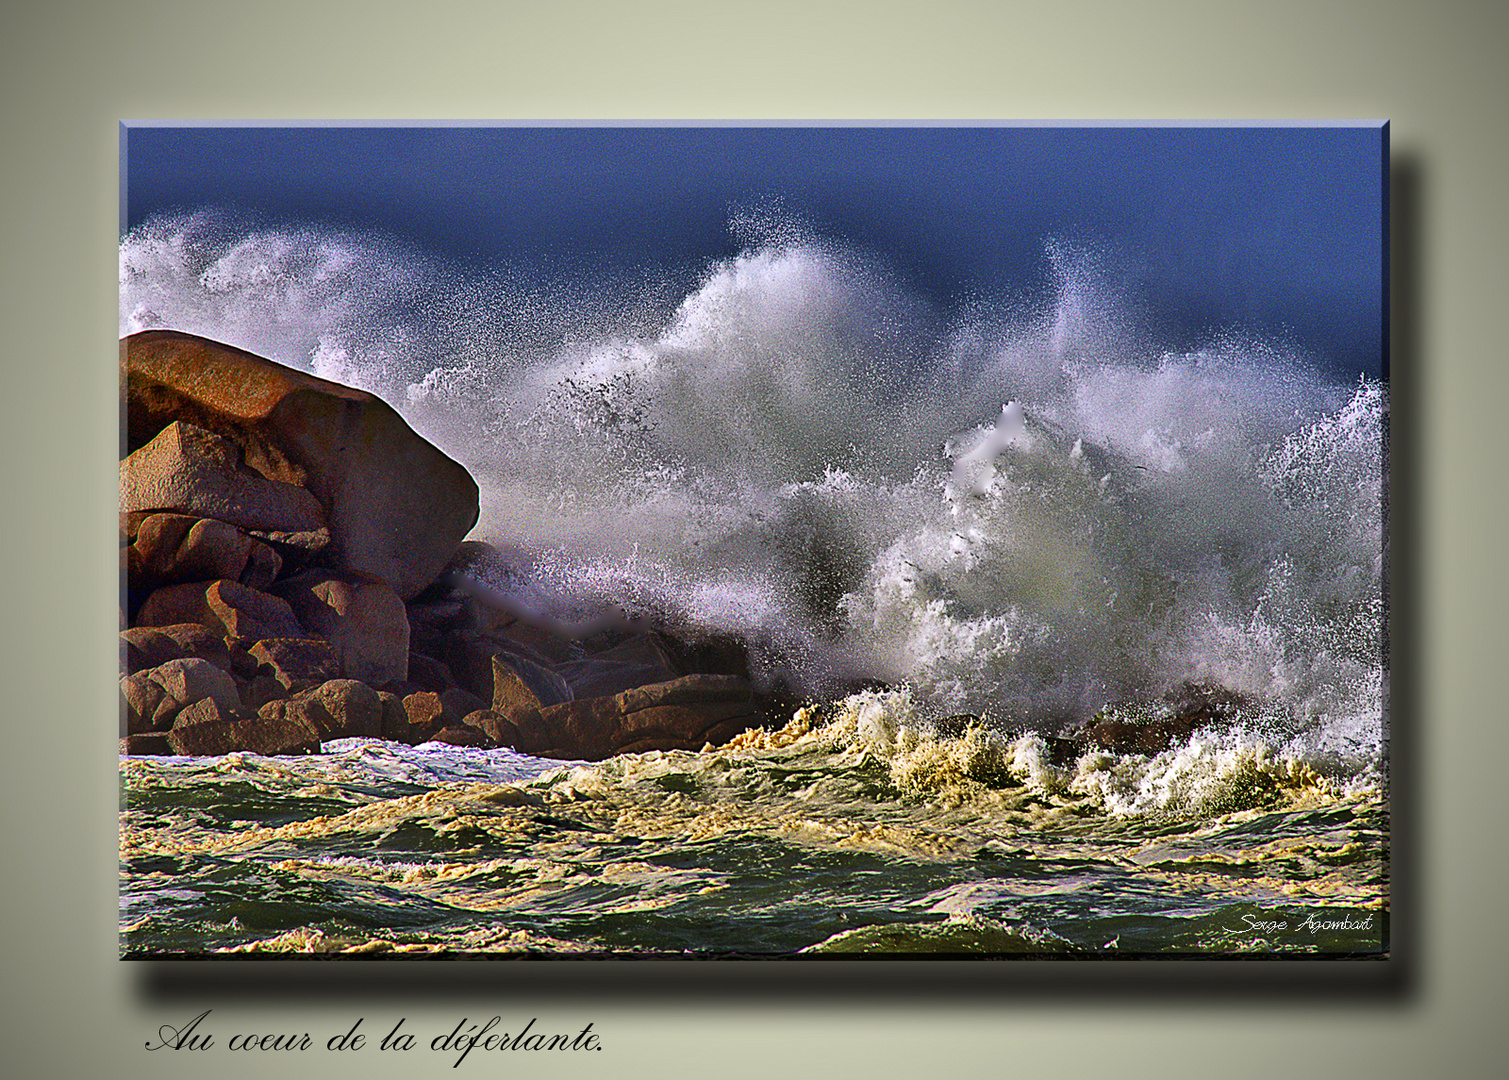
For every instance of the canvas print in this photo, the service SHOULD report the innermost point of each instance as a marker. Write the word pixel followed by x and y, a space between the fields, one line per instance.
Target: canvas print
pixel 754 541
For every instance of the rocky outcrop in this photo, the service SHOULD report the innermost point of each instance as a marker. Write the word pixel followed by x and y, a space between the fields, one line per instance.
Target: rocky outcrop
pixel 295 664
pixel 178 547
pixel 291 550
pixel 396 507
pixel 282 692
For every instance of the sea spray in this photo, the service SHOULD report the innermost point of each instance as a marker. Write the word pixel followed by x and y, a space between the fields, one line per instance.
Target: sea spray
pixel 802 452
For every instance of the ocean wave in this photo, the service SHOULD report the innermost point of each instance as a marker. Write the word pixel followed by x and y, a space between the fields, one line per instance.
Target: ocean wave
pixel 1024 514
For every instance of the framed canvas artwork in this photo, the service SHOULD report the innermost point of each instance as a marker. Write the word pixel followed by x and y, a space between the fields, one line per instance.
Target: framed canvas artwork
pixel 754 540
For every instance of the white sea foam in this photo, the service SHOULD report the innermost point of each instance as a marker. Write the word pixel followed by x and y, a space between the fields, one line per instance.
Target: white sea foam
pixel 803 452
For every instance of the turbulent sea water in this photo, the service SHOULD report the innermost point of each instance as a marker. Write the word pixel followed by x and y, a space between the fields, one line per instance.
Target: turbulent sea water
pixel 1024 510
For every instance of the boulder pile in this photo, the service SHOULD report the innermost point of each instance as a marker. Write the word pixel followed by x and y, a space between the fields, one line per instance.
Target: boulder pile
pixel 294 570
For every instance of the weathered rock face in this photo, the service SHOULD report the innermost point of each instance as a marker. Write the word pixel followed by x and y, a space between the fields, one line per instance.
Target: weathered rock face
pixel 396 507
pixel 196 472
pixel 639 661
pixel 365 622
pixel 296 663
pixel 147 646
pixel 228 608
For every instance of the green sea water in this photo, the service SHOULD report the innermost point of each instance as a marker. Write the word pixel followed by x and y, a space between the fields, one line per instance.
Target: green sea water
pixel 856 830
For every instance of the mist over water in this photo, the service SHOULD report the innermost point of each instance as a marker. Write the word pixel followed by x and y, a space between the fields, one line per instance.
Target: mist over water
pixel 802 451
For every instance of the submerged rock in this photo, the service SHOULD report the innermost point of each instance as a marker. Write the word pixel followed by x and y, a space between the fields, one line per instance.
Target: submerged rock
pixel 1135 728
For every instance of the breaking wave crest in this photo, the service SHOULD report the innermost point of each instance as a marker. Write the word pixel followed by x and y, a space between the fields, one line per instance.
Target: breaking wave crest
pixel 1014 512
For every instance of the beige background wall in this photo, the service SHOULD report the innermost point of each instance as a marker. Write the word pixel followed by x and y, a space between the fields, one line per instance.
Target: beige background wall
pixel 71 70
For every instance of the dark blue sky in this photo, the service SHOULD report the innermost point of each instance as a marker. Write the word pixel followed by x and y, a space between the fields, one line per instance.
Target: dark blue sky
pixel 1257 229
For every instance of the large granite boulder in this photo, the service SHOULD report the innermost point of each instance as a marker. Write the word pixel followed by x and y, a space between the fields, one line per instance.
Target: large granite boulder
pixel 396 506
pixel 338 709
pixel 152 700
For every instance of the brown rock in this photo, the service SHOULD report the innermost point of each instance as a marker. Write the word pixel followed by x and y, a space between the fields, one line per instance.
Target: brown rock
pixel 297 663
pixel 586 730
pixel 226 607
pixel 689 689
pixel 427 712
pixel 428 673
pixel 154 548
pixel 155 698
pixel 499 729
pixel 259 690
pixel 154 645
pixel 177 548
pixel 684 713
pixel 132 659
pixel 165 715
pixel 206 711
pixel 688 725
pixel 243 664
pixel 343 708
pixel 397 507
pixel 192 680
pixel 146 744
pixel 140 696
pixel 423 707
pixel 130 523
pixel 457 703
pixel 263 565
pixel 395 722
pixel 187 469
pixel 519 685
pixel 414 726
pixel 366 622
pixel 211 550
pixel 205 737
pixel 285 735
pixel 469 655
